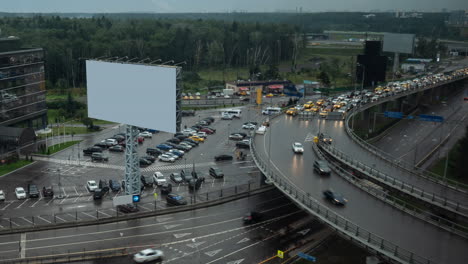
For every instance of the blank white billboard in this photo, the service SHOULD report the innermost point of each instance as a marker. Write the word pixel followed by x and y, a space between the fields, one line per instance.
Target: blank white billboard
pixel 398 43
pixel 138 95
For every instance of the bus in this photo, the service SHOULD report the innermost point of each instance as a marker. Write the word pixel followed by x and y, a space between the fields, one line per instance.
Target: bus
pixel 232 112
pixel 271 111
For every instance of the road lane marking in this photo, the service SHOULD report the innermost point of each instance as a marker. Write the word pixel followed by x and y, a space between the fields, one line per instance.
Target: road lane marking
pixel 247 167
pixel 49 201
pixel 75 217
pixel 89 198
pixel 45 220
pixel 89 215
pixel 77 198
pixel 101 212
pixel 75 190
pixel 19 206
pixel 24 218
pixel 23 245
pixel 65 198
pixel 61 219
pixel 11 221
pixel 144 207
pixel 34 204
pixel 9 203
pixel 64 192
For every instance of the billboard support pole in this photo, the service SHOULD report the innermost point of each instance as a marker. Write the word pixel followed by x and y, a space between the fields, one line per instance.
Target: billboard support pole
pixel 132 167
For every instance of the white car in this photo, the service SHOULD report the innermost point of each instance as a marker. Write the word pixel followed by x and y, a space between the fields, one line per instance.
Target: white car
pixel 226 116
pixel 159 178
pixel 110 141
pixel 249 126
pixel 186 145
pixel 261 130
pixel 201 134
pixel 298 148
pixel 91 185
pixel 166 158
pixel 20 193
pixel 2 196
pixel 145 134
pixel 148 255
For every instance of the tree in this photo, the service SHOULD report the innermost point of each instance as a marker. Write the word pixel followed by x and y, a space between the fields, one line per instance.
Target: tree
pixel 458 166
pixel 272 73
pixel 88 122
pixel 323 77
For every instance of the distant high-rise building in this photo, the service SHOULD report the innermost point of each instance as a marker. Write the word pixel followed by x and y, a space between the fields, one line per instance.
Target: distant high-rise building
pixel 458 18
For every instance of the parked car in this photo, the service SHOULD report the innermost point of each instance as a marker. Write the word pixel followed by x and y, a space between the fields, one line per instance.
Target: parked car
pixel 20 193
pixel 334 197
pixel 321 167
pixel 150 158
pixel 194 184
pixel 242 144
pixel 114 185
pixel 166 158
pixel 91 185
pixel 98 194
pixel 117 148
pixel 207 131
pixel 176 178
pixel 148 255
pixel 181 137
pixel 127 208
pixel 191 141
pixel 178 153
pixel 103 145
pixel 164 147
pixel 47 191
pixel 216 172
pixel 223 157
pixel 153 151
pixel 158 178
pixel 183 147
pixel 297 148
pixel 197 138
pixel 145 134
pixel 252 217
pixel 33 191
pixel 249 126
pixel 166 188
pixel 186 176
pixel 174 140
pixel 103 186
pixel 91 150
pixel 144 162
pixel 198 175
pixel 2 196
pixel 173 155
pixel 236 136
pixel 96 156
pixel 175 199
pixel 147 181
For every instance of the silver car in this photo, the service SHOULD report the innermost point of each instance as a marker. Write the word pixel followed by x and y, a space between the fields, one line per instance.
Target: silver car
pixel 147 255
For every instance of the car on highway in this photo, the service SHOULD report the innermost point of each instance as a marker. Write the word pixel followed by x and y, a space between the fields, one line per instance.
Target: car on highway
pixel 166 188
pixel 20 193
pixel 249 126
pixel 321 167
pixel 176 178
pixel 91 150
pixel 117 148
pixel 114 185
pixel 291 111
pixel 2 196
pixel 325 138
pixel 242 144
pixel 334 197
pixel 96 156
pixel 197 138
pixel 175 199
pixel 223 157
pixel 91 185
pixel 252 217
pixel 158 178
pixel 145 134
pixel 47 191
pixel 216 172
pixel 148 255
pixel 166 158
pixel 127 208
pixel 33 191
pixel 164 147
pixel 298 148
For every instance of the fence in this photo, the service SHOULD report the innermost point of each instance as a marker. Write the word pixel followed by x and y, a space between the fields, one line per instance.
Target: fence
pixel 369 240
pixel 397 162
pixel 385 196
pixel 11 224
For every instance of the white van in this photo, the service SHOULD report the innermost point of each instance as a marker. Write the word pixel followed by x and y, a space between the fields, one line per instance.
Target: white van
pixel 271 111
pixel 232 112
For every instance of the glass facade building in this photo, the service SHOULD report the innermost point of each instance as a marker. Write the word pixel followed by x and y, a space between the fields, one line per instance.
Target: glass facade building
pixel 22 89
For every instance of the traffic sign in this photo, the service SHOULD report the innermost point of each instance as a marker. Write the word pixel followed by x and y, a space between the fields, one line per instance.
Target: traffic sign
pixel 306 257
pixel 136 198
pixel 155 195
pixel 431 118
pixel 280 254
pixel 393 114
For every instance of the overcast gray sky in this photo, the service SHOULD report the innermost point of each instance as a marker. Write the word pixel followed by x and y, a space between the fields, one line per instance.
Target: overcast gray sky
pixel 165 6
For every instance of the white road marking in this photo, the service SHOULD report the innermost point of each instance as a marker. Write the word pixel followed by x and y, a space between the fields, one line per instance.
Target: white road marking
pixel 171 226
pixel 243 240
pixel 49 201
pixel 182 235
pixel 19 206
pixel 23 245
pixel 213 252
pixel 163 219
pixel 74 217
pixel 89 215
pixel 89 198
pixel 59 218
pixel 24 218
pixel 34 204
pixel 9 203
pixel 63 200
pixel 64 192
pixel 45 220
pixel 75 190
pixel 100 212
pixel 196 244
pixel 247 167
pixel 77 198
pixel 235 261
pixel 141 206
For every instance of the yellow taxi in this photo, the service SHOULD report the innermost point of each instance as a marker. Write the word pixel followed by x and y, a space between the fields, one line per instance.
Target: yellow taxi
pixel 337 106
pixel 282 94
pixel 191 97
pixel 269 95
pixel 308 105
pixel 197 138
pixel 315 109
pixel 291 111
pixel 320 102
pixel 197 97
pixel 185 97
pixel 323 114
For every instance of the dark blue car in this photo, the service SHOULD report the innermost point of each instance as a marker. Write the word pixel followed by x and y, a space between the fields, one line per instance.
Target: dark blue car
pixel 164 147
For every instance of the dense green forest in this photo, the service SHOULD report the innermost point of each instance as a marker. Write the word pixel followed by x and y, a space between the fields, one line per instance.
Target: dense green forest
pixel 203 41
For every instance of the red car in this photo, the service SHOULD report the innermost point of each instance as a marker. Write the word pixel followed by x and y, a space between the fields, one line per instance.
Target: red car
pixel 207 130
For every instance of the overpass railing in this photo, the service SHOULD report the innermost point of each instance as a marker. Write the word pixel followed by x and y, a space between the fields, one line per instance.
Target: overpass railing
pixel 458 186
pixel 370 241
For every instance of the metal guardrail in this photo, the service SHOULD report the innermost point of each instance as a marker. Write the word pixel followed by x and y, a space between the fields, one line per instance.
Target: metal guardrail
pixel 11 223
pixel 347 228
pixel 458 186
pixel 396 202
pixel 414 191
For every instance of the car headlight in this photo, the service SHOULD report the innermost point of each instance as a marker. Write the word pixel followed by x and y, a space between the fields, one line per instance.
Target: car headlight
pixel 336 200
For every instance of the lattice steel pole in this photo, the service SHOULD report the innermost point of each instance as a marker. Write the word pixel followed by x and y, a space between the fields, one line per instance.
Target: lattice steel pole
pixel 132 166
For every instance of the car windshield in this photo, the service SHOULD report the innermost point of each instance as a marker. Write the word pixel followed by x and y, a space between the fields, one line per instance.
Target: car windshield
pixel 92 183
pixel 299 145
pixel 177 197
pixel 20 191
